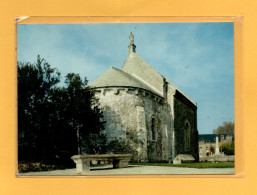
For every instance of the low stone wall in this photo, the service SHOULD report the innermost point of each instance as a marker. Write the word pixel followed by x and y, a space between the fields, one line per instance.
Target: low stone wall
pixel 218 158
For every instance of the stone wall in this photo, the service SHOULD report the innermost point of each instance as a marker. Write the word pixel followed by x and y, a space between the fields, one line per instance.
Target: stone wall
pixel 185 112
pixel 128 113
pixel 218 158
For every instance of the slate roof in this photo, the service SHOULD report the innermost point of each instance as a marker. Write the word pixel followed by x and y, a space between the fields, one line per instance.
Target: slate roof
pixel 118 78
pixel 211 138
pixel 134 64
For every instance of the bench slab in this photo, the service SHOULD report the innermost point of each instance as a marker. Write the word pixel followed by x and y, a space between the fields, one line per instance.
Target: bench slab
pixel 83 161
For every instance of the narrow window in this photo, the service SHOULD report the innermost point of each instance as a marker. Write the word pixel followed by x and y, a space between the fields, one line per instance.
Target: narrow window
pixel 187 136
pixel 153 129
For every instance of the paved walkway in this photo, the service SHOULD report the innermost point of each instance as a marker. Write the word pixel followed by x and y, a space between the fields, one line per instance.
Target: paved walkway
pixel 135 170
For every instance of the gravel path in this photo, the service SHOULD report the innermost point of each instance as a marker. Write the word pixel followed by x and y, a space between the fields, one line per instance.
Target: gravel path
pixel 134 170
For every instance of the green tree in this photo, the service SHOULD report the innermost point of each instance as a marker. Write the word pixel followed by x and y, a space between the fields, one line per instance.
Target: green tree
pixel 36 84
pixel 228 148
pixel 50 118
pixel 83 115
pixel 226 128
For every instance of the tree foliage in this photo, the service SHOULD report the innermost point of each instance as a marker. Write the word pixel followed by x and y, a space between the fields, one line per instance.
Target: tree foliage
pixel 83 114
pixel 36 84
pixel 228 148
pixel 226 128
pixel 51 117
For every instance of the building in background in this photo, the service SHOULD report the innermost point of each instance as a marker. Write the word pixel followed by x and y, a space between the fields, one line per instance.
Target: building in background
pixel 207 143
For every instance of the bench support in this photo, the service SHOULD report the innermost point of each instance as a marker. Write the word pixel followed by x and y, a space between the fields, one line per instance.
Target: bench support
pixel 82 165
pixel 120 163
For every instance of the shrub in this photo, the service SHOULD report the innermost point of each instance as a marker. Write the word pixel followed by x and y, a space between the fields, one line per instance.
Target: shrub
pixel 228 148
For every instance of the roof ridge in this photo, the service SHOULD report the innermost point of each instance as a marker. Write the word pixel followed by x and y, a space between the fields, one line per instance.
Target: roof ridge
pixel 135 56
pixel 114 68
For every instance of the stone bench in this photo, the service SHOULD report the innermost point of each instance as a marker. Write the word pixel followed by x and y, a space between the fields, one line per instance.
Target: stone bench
pixel 83 161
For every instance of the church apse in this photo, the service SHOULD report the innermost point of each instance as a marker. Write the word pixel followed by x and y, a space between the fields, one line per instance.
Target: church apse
pixel 148 112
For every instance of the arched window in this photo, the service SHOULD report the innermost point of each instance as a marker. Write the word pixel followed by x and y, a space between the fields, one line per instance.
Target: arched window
pixel 187 135
pixel 154 128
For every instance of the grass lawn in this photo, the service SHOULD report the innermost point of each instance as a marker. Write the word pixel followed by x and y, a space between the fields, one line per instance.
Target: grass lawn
pixel 192 165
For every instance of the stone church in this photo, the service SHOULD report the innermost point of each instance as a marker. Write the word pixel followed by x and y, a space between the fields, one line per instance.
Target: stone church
pixel 139 103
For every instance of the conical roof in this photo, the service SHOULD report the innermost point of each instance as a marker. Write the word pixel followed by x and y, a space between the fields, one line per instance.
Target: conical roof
pixel 118 78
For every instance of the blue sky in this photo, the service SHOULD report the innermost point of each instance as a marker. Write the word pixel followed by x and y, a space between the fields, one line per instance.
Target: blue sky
pixel 196 57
